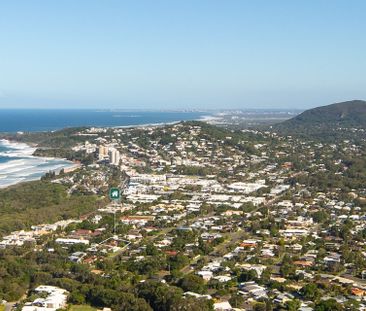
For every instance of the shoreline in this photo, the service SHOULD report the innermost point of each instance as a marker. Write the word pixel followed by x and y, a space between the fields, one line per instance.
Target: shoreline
pixel 23 166
pixel 25 151
pixel 203 118
pixel 151 124
pixel 94 120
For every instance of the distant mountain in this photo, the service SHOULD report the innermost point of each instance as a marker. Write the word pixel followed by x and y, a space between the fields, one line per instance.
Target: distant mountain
pixel 323 122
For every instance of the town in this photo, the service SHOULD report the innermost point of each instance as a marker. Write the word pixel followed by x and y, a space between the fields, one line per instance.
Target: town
pixel 202 218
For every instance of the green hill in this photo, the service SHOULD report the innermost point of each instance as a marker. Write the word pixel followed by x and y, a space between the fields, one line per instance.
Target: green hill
pixel 327 122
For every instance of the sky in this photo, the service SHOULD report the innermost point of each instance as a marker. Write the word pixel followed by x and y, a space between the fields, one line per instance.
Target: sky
pixel 181 54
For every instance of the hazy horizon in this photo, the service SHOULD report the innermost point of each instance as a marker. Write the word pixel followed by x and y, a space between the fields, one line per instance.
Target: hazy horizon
pixel 208 110
pixel 153 55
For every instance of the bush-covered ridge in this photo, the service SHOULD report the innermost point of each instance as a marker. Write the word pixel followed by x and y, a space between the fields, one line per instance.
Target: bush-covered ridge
pixel 39 202
pixel 325 121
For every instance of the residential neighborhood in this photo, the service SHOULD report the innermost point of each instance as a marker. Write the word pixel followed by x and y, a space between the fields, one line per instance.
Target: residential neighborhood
pixel 240 220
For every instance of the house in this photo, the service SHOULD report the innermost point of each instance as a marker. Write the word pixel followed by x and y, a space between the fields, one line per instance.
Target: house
pixel 257 268
pixel 55 299
pixel 303 263
pixel 222 278
pixel 192 294
pixel 206 275
pixel 252 289
pixel 358 292
pixel 289 233
pixel 71 241
pixel 332 258
pixel 282 298
pixel 222 306
pixel 77 257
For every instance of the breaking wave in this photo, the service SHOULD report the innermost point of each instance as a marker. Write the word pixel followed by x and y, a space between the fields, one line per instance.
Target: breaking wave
pixel 17 164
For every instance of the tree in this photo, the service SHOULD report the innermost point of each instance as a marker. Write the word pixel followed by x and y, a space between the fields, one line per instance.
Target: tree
pixel 320 216
pixel 266 275
pixel 76 298
pixel 178 261
pixel 151 250
pixel 236 300
pixel 328 305
pixel 248 275
pixel 192 283
pixel 293 305
pixel 204 247
pixel 161 297
pixel 310 291
pixel 287 270
pixel 352 305
pixel 259 306
pixel 192 304
pixel 128 302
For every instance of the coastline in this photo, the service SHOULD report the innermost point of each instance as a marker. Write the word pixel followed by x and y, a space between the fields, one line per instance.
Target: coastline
pixel 47 120
pixel 22 166
pixel 205 118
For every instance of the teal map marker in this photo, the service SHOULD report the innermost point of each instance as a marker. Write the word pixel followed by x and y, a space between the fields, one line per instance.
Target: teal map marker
pixel 114 194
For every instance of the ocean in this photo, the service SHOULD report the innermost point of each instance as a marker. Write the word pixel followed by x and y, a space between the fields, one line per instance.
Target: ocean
pixel 16 161
pixel 18 165
pixel 38 120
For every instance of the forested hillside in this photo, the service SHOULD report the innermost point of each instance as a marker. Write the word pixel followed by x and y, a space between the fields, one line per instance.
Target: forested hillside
pixel 38 202
pixel 332 122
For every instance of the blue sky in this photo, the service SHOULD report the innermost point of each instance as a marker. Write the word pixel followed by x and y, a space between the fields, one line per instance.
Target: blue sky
pixel 181 53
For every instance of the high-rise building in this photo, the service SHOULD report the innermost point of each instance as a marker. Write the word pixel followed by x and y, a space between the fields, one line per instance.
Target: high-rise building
pixel 114 157
pixel 102 152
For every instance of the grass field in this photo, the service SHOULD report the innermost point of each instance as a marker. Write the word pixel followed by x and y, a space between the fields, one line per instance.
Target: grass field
pixel 2 307
pixel 79 308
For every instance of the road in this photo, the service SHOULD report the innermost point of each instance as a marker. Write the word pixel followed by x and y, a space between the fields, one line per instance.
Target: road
pixel 9 306
pixel 231 240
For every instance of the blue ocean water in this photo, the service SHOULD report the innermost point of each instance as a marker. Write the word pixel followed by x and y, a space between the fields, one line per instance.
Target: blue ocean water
pixel 4 150
pixel 34 120
pixel 16 161
pixel 17 164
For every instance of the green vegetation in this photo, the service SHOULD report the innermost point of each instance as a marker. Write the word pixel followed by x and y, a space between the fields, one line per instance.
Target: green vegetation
pixel 328 305
pixel 36 202
pixel 317 186
pixel 65 138
pixel 323 122
pixel 54 144
pixel 65 153
pixel 120 290
pixel 354 177
pixel 81 308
